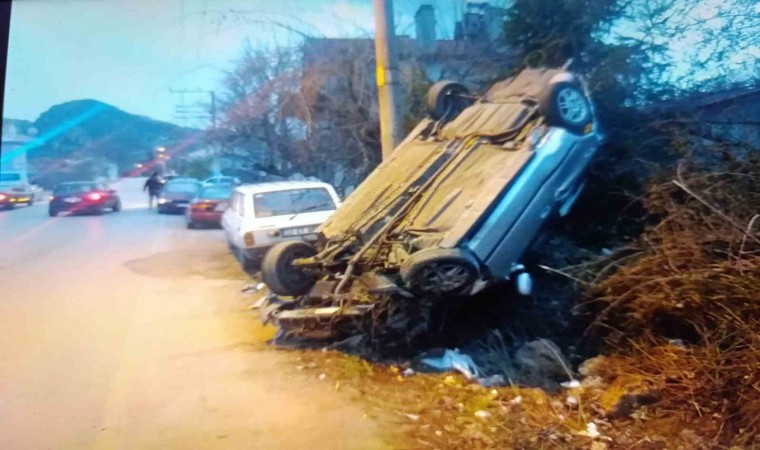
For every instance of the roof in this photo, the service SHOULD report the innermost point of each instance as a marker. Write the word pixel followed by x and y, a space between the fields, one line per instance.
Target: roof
pixel 280 186
pixel 704 99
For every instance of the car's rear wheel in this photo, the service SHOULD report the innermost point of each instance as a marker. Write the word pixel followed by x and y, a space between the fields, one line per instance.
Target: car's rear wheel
pixel 446 99
pixel 439 271
pixel 52 212
pixel 117 206
pixel 565 105
pixel 277 269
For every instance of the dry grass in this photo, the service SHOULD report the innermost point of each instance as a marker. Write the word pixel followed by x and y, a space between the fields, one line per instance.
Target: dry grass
pixel 686 314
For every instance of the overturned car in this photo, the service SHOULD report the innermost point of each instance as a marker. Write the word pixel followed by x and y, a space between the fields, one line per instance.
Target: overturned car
pixel 454 208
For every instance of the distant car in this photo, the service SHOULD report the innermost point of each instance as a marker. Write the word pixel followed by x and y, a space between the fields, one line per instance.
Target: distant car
pixel 177 194
pixel 15 189
pixel 221 180
pixel 455 206
pixel 83 197
pixel 261 215
pixel 208 206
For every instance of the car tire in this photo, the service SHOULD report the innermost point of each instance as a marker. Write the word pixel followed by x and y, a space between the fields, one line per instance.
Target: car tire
pixel 439 271
pixel 191 225
pixel 31 200
pixel 277 269
pixel 116 206
pixel 52 212
pixel 446 99
pixel 565 105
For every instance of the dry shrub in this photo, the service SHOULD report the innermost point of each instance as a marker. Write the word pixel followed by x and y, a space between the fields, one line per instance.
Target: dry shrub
pixel 686 313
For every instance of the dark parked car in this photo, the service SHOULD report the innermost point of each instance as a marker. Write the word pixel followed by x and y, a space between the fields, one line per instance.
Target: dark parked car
pixel 84 197
pixel 208 206
pixel 456 205
pixel 177 194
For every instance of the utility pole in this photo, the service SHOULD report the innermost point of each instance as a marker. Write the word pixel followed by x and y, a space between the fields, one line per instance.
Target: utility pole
pixel 387 74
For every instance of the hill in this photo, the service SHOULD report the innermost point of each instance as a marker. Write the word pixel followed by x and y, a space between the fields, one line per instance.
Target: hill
pixel 92 129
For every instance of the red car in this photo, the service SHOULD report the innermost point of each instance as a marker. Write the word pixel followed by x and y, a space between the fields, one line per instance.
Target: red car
pixel 83 197
pixel 207 207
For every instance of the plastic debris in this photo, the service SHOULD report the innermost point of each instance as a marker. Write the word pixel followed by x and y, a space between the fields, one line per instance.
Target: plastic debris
pixel 516 401
pixel 572 384
pixel 453 360
pixel 322 376
pixel 408 372
pixel 590 431
pixel 250 288
pixel 412 417
pixel 493 380
pixel 571 401
pixel 482 414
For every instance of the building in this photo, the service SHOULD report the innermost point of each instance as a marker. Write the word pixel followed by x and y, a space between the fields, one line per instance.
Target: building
pixel 13 151
pixel 731 115
pixel 476 55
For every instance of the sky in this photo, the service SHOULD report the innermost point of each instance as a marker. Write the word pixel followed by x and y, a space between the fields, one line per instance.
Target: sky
pixel 132 53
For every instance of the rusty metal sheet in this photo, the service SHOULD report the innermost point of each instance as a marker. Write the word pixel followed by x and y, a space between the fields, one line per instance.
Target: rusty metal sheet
pixel 485 119
pixel 529 83
pixel 458 200
pixel 409 164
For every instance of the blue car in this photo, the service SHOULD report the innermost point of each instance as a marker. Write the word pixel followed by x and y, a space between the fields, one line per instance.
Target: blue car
pixel 456 205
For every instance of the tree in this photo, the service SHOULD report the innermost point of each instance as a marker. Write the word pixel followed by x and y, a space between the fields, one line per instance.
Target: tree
pixel 254 126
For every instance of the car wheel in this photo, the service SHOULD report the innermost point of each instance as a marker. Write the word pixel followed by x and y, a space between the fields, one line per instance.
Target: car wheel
pixel 277 269
pixel 52 212
pixel 117 206
pixel 439 271
pixel 31 201
pixel 446 99
pixel 565 105
pixel 191 225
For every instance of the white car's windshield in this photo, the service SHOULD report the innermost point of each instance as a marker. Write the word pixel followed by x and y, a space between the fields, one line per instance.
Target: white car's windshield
pixel 293 201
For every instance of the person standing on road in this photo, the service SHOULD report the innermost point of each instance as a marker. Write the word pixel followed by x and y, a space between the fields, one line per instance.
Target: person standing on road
pixel 153 185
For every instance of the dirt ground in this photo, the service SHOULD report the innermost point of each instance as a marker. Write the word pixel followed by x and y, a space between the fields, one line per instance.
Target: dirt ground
pixel 128 331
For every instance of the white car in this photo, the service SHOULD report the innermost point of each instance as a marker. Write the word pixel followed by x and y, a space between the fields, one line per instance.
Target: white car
pixel 15 189
pixel 262 215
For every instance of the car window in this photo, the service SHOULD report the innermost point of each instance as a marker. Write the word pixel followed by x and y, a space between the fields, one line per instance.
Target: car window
pixel 181 187
pixel 74 188
pixel 292 201
pixel 214 193
pixel 241 205
pixel 234 202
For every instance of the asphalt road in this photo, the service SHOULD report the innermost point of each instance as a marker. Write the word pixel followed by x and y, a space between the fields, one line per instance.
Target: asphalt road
pixel 127 331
